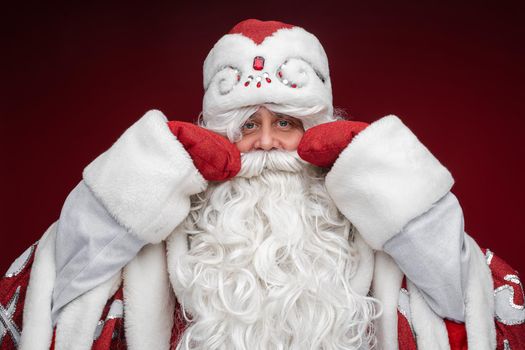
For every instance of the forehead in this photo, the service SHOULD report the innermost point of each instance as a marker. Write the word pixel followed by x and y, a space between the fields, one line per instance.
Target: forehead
pixel 266 112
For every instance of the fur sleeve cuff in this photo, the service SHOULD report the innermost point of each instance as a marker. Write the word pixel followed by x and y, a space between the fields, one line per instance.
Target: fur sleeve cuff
pixel 384 178
pixel 145 179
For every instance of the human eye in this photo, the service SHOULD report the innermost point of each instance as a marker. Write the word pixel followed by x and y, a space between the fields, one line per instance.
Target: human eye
pixel 249 126
pixel 286 123
pixel 283 123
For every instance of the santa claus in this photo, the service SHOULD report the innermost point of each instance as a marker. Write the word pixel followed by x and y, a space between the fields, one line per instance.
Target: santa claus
pixel 273 224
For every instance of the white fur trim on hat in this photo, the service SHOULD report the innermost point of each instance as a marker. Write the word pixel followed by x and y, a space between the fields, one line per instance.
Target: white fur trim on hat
pixel 229 66
pixel 145 179
pixel 384 178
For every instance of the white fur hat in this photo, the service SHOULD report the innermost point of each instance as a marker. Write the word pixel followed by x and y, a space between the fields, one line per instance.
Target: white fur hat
pixel 267 62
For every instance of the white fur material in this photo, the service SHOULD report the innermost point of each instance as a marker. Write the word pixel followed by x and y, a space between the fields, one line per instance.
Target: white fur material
pixel 233 54
pixel 38 331
pixel 149 301
pixel 430 330
pixel 384 178
pixel 145 179
pixel 78 319
pixel 176 246
pixel 385 287
pixel 479 301
pixel 270 264
pixel 362 280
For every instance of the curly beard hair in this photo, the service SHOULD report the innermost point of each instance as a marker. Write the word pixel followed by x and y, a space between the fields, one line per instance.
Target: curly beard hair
pixel 269 263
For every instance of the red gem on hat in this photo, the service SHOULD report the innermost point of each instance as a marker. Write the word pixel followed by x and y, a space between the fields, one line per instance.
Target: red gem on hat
pixel 258 30
pixel 258 63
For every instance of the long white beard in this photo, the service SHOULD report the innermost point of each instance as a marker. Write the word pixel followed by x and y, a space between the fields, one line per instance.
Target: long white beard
pixel 269 264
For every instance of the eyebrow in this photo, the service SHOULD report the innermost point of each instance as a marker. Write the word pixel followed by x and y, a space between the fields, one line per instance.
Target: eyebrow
pixel 290 118
pixel 256 116
pixel 253 116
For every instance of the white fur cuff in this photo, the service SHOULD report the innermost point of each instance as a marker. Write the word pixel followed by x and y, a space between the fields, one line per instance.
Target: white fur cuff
pixel 145 179
pixel 385 178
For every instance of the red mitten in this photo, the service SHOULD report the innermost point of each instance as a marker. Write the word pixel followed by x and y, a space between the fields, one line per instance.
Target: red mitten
pixel 216 158
pixel 322 144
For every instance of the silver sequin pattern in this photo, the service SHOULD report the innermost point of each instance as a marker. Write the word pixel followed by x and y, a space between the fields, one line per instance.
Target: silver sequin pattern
pixel 508 312
pixel 7 324
pixel 489 255
pixel 116 310
pixel 20 263
pixel 403 306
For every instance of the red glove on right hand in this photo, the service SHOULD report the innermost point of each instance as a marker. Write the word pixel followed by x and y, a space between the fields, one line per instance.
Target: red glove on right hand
pixel 216 158
pixel 322 144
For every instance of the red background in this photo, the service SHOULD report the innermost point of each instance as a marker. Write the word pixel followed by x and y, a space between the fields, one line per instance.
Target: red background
pixel 75 76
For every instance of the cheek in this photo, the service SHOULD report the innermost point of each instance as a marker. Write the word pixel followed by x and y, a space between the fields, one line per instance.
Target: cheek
pixel 244 145
pixel 293 140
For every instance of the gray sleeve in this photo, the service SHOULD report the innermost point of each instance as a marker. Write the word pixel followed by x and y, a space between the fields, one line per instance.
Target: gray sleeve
pixel 90 247
pixel 432 252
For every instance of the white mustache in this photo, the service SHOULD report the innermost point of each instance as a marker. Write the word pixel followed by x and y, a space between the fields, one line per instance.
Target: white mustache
pixel 255 162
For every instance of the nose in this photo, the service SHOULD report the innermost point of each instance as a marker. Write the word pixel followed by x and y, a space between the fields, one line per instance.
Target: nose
pixel 268 139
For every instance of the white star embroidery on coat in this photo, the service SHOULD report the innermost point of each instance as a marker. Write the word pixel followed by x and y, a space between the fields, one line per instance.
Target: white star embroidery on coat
pixel 7 324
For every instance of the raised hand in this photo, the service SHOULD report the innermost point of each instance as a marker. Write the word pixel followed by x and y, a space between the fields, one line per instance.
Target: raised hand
pixel 322 144
pixel 214 156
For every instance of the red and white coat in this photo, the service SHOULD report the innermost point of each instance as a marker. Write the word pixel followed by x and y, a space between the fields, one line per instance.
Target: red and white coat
pixel 383 180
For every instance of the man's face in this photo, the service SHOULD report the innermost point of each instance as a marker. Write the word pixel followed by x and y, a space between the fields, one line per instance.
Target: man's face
pixel 266 130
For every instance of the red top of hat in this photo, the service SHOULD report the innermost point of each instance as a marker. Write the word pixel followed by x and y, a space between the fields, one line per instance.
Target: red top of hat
pixel 258 30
